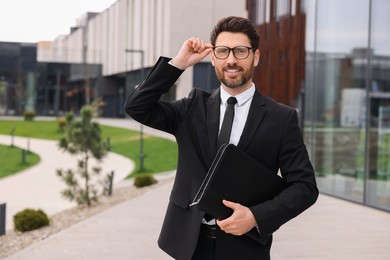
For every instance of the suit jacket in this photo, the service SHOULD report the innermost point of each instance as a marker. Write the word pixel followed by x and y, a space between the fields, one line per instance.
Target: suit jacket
pixel 271 136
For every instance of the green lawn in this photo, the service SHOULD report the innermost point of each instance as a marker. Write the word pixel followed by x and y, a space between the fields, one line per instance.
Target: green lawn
pixel 160 154
pixel 35 129
pixel 11 160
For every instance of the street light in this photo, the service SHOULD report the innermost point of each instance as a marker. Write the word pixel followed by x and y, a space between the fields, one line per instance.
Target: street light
pixel 141 141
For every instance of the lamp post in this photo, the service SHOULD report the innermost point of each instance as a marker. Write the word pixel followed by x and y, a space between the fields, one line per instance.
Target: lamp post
pixel 3 208
pixel 141 141
pixel 57 93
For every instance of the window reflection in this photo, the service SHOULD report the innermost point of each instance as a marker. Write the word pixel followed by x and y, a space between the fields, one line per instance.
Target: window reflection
pixel 340 96
pixel 348 98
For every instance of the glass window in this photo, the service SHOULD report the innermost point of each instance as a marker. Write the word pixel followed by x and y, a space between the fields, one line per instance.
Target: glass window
pixel 336 76
pixel 260 11
pixel 378 181
pixel 309 7
pixel 282 8
pixel 293 7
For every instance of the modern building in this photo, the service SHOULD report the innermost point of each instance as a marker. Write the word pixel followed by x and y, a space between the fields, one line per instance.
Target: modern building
pixel 127 39
pixel 47 88
pixel 17 77
pixel 331 60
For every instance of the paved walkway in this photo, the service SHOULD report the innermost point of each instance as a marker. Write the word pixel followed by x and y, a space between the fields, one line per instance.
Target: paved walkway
pixel 39 186
pixel 332 229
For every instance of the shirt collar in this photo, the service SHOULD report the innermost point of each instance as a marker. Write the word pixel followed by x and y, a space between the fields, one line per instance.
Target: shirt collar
pixel 242 98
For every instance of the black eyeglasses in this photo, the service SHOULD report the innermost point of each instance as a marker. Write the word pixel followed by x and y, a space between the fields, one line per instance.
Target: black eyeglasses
pixel 239 52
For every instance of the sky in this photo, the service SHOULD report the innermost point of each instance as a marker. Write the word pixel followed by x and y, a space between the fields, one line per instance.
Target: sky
pixel 43 20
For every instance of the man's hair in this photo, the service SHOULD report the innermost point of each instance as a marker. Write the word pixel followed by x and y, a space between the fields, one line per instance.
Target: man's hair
pixel 236 24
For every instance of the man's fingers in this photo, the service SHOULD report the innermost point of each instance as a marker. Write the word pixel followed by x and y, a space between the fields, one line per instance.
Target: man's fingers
pixel 227 221
pixel 198 45
pixel 205 52
pixel 240 222
pixel 230 204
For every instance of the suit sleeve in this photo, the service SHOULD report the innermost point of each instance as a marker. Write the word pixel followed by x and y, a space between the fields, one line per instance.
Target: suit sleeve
pixel 144 104
pixel 301 190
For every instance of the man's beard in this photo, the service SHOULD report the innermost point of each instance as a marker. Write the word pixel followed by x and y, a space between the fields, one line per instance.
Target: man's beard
pixel 235 83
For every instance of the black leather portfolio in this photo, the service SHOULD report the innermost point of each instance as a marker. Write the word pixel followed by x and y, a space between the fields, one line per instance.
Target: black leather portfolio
pixel 237 177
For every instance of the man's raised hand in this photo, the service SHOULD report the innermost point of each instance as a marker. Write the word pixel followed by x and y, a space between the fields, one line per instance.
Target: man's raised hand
pixel 191 52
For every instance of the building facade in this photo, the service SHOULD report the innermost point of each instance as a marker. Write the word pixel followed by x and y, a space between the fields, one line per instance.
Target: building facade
pixel 338 76
pixel 127 39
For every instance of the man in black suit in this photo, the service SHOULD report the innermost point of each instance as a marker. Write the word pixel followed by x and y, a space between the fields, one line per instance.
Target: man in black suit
pixel 262 128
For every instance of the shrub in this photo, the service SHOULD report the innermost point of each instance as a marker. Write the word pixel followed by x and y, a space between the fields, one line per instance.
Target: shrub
pixel 30 219
pixel 144 180
pixel 29 115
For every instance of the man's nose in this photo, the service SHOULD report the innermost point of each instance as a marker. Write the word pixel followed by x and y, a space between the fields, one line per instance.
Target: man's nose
pixel 231 59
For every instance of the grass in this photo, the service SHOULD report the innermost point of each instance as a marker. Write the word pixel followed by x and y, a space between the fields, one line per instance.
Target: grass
pixel 160 155
pixel 34 129
pixel 11 160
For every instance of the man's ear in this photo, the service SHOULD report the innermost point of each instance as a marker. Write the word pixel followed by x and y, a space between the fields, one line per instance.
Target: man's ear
pixel 256 58
pixel 212 58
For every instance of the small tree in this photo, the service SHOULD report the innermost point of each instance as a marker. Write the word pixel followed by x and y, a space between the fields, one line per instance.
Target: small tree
pixel 82 138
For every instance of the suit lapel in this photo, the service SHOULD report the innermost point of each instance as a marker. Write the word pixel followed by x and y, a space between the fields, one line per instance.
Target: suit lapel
pixel 256 113
pixel 213 122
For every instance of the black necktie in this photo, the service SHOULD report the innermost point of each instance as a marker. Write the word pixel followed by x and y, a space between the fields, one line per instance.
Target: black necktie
pixel 226 129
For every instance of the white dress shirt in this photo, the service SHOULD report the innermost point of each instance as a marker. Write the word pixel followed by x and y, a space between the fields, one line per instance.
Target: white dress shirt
pixel 241 110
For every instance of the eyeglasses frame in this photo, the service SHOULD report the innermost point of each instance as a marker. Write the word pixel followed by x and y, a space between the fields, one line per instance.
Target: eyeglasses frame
pixel 232 50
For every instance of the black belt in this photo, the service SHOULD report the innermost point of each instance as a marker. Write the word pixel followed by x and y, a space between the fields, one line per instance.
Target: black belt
pixel 207 230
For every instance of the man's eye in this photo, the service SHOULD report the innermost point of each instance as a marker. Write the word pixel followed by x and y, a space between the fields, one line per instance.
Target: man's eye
pixel 222 51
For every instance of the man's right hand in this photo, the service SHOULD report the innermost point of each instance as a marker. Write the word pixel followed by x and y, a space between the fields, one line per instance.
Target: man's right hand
pixel 191 52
